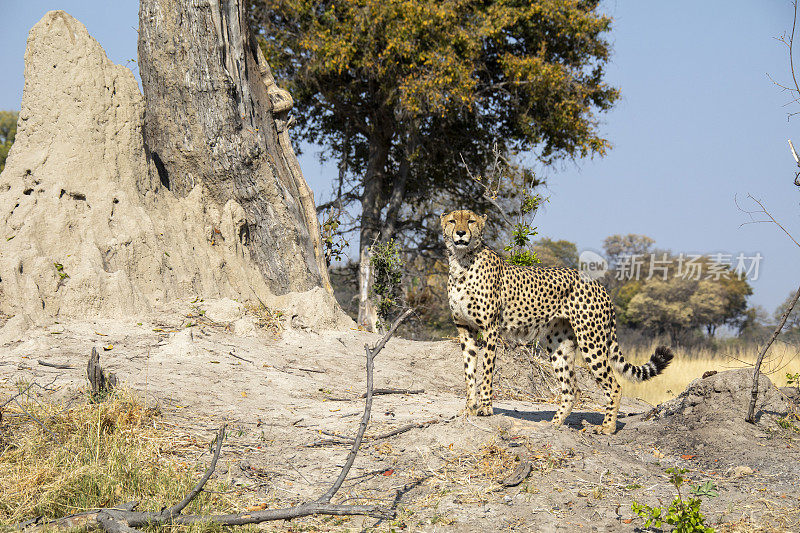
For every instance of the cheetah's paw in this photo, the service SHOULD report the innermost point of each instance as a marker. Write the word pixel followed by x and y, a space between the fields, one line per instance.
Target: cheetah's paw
pixel 604 430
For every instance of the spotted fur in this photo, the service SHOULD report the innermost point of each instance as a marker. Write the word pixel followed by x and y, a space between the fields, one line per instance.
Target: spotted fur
pixel 567 312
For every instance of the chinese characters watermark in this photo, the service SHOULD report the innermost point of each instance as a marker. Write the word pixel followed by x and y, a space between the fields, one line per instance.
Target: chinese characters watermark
pixel 697 267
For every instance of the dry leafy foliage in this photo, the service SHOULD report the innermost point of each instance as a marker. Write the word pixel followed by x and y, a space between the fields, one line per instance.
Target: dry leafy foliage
pixel 475 476
pixel 93 455
pixel 471 474
pixel 266 318
pixel 525 374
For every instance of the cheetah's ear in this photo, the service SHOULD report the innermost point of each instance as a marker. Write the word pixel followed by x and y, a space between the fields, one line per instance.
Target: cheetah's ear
pixel 483 218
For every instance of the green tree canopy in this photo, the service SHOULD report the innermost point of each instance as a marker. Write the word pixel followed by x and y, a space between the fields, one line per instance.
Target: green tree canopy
pixel 399 91
pixel 661 307
pixel 677 301
pixel 556 253
pixel 673 294
pixel 8 131
pixel 619 246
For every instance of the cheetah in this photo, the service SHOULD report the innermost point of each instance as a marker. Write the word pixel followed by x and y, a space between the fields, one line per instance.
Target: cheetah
pixel 566 311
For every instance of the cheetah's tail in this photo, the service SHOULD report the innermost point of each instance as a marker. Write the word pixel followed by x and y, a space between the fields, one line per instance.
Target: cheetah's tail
pixel 657 363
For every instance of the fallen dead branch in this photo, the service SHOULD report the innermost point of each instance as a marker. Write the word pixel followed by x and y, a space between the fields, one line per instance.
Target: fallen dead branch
pixel 390 390
pixel 313 370
pixel 60 366
pixel 409 427
pixel 519 474
pixel 376 392
pixel 392 433
pixel 124 518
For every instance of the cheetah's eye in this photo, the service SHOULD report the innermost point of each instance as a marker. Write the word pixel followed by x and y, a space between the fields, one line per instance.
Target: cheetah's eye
pixel 472 221
pixel 451 221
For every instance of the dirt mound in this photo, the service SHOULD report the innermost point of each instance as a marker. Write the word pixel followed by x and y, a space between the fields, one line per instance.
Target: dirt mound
pixel 85 229
pixel 706 422
pixel 723 395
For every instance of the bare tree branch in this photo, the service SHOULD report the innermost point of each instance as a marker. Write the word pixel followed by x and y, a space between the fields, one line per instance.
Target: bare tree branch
pixel 178 507
pixel 371 353
pixel 754 392
pixel 488 193
pixel 765 212
pixel 791 44
pixel 794 153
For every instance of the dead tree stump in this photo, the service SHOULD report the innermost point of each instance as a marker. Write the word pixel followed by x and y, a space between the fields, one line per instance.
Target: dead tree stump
pixel 101 383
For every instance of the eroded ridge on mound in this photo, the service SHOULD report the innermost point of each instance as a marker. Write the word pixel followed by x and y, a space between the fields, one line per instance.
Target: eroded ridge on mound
pixel 85 229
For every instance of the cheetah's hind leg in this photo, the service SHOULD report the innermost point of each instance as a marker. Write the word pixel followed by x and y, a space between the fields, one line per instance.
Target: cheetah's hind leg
pixel 594 346
pixel 559 342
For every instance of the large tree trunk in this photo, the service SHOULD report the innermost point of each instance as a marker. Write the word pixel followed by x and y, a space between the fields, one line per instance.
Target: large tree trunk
pixel 371 206
pixel 215 118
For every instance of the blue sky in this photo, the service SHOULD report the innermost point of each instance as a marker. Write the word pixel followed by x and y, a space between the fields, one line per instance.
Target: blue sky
pixel 699 124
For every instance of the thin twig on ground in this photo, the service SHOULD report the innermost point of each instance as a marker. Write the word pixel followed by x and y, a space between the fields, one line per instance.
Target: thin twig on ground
pixel 314 370
pixel 240 357
pixel 176 509
pixel 20 393
pixel 392 433
pixel 409 427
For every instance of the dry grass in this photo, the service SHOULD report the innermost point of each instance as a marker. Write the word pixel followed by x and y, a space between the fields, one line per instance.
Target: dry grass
pixel 92 455
pixel 781 359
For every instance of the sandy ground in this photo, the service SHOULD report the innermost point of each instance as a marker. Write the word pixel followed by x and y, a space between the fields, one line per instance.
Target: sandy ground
pixel 277 393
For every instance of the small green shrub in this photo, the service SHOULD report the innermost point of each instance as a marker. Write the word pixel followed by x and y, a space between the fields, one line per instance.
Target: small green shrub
pixel 332 238
pixel 685 515
pixel 521 235
pixel 60 271
pixel 388 269
pixel 786 422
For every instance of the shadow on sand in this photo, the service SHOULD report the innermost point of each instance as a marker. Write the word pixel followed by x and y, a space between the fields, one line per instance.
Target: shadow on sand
pixel 574 420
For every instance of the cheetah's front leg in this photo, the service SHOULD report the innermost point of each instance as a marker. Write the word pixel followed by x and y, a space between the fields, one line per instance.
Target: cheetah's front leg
pixel 469 348
pixel 490 341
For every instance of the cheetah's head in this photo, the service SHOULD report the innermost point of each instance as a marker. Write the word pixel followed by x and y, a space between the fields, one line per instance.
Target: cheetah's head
pixel 463 230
